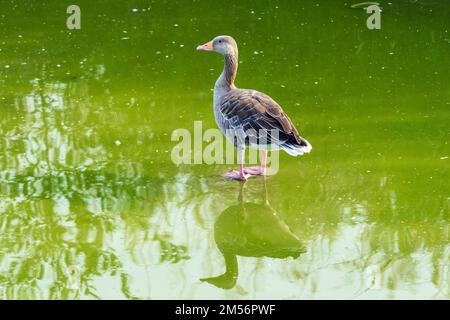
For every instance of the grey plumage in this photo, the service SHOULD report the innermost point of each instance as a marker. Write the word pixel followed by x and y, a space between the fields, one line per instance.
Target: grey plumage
pixel 243 113
pixel 249 117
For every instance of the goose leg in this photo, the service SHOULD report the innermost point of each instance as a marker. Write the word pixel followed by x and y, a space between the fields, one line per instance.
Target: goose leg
pixel 261 170
pixel 241 174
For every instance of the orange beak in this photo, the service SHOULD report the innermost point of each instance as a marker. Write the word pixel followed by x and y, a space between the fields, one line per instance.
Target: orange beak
pixel 206 47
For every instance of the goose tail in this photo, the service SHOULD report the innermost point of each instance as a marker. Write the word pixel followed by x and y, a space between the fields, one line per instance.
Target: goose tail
pixel 295 148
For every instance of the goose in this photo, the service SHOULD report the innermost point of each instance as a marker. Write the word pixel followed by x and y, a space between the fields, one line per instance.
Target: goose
pixel 249 117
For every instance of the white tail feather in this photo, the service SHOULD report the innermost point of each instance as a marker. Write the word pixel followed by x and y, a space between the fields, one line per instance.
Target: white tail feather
pixel 296 150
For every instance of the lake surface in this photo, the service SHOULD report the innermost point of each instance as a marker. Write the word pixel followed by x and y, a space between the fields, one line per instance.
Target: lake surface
pixel 92 206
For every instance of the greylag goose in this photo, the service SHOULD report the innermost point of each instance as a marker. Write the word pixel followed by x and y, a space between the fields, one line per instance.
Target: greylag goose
pixel 249 117
pixel 250 229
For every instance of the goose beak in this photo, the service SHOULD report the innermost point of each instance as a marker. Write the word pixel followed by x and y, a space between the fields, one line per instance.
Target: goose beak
pixel 206 47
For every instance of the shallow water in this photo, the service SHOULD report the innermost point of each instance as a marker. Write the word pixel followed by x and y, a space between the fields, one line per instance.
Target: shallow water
pixel 91 205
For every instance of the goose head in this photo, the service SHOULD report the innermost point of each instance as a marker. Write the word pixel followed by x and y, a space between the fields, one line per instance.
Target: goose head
pixel 224 45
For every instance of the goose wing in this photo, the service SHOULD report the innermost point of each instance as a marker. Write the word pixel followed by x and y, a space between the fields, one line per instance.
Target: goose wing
pixel 254 112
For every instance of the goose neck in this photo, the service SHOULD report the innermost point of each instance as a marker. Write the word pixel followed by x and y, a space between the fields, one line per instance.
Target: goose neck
pixel 226 79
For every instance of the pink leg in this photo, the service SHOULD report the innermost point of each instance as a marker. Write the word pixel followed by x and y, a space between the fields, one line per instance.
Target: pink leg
pixel 241 174
pixel 258 170
pixel 263 161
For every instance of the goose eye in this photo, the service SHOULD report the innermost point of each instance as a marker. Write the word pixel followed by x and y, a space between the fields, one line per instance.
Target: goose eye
pixel 220 41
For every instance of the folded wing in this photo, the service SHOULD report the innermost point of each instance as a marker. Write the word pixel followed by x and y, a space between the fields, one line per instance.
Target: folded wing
pixel 256 118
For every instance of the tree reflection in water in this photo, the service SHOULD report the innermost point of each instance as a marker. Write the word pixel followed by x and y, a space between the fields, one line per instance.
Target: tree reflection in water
pixel 61 200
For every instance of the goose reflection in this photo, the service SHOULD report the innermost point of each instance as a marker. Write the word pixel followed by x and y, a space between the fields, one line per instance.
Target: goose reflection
pixel 250 229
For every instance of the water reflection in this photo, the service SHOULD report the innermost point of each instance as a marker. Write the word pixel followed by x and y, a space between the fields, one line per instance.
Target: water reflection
pixel 250 229
pixel 83 218
pixel 60 202
pixel 91 205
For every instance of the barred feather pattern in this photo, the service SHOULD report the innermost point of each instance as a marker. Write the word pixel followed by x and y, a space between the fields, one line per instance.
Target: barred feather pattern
pixel 251 118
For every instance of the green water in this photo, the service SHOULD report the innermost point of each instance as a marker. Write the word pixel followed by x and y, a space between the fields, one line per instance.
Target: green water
pixel 91 205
